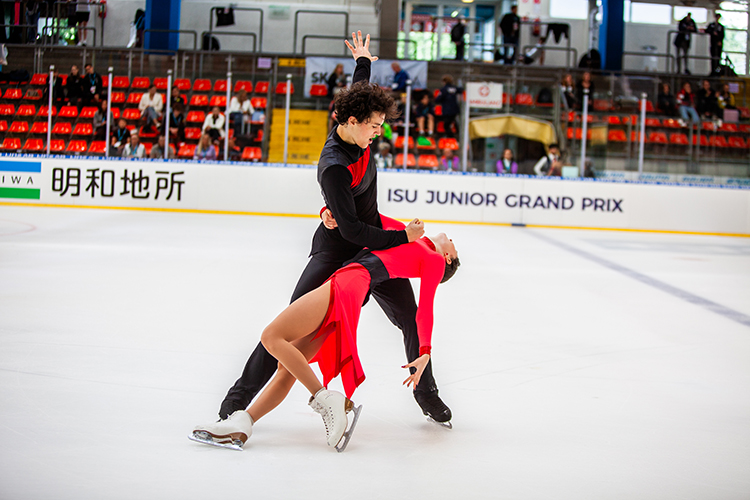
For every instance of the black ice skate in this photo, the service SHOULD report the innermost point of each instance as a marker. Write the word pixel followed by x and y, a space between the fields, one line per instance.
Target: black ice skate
pixel 434 408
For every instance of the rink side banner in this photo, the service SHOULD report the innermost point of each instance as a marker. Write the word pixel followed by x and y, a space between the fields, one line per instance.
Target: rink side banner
pixel 293 190
pixel 319 69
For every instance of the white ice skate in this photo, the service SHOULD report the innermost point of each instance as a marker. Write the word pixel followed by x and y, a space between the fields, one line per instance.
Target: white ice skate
pixel 231 433
pixel 333 407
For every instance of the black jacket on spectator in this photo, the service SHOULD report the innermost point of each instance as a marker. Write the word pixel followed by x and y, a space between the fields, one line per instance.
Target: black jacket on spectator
pixel 708 104
pixel 448 98
pixel 667 104
pixel 74 88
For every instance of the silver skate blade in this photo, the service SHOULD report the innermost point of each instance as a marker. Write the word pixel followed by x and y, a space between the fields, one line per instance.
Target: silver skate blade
pixel 348 434
pixel 446 425
pixel 206 438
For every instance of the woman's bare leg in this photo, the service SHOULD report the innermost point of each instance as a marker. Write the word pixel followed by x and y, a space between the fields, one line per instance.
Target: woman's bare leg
pixel 302 317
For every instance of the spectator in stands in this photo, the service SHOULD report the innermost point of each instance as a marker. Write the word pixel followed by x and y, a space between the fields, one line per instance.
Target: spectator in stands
pixel 568 92
pixel 120 137
pixel 725 98
pixel 240 111
pixel 384 158
pixel 177 123
pixel 134 149
pixel 92 86
pixel 507 164
pixel 708 105
pixel 425 112
pixel 151 107
pixel 100 122
pixel 177 98
pixel 549 163
pixel 448 98
pixel 510 26
pixel 336 81
pixel 401 120
pixel 82 16
pixel 584 83
pixel 214 124
pixel 74 87
pixel 682 41
pixel 449 161
pixel 58 90
pixel 205 150
pixel 400 76
pixel 157 152
pixel 686 103
pixel 666 102
pixel 715 31
pixel 457 36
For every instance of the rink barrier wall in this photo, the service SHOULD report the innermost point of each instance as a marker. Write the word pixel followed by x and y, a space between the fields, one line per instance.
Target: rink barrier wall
pixel 266 189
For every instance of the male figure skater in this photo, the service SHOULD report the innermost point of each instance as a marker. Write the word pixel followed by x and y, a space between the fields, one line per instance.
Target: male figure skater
pixel 347 175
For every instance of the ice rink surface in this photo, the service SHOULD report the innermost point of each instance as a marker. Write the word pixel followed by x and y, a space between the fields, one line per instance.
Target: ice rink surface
pixel 578 365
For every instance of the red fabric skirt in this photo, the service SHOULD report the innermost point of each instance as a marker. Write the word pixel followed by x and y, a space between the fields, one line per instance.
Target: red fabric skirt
pixel 338 354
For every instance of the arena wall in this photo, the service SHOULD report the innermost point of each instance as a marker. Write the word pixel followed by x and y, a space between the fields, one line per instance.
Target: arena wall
pixel 293 190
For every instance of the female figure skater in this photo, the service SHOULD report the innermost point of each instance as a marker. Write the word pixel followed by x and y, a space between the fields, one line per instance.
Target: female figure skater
pixel 321 327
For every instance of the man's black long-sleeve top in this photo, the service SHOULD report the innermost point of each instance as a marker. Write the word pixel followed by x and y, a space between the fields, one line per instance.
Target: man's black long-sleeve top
pixel 347 175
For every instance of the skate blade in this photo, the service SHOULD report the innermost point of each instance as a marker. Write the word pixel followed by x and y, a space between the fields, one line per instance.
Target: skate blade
pixel 348 434
pixel 206 438
pixel 446 425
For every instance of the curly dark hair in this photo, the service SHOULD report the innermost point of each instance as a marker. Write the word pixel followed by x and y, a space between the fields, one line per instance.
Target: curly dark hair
pixel 450 269
pixel 363 99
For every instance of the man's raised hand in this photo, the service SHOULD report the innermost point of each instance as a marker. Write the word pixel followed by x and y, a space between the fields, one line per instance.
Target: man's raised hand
pixel 360 49
pixel 415 230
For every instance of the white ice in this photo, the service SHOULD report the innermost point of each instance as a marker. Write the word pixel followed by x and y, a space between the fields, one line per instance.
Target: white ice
pixel 568 378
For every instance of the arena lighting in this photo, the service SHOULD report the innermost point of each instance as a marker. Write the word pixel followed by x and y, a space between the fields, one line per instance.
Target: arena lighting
pixel 467 1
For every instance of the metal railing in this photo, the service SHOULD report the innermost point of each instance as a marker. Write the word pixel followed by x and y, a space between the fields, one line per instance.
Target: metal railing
pixel 238 9
pixel 326 13
pixel 345 51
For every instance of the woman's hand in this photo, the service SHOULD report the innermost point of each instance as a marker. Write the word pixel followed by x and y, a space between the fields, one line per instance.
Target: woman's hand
pixel 415 230
pixel 360 49
pixel 328 220
pixel 420 363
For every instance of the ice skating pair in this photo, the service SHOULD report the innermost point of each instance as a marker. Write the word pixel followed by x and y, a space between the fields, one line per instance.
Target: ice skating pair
pixel 234 432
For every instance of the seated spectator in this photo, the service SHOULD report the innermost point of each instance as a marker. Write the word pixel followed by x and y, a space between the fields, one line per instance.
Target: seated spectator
pixel 584 83
pixel 134 149
pixel 177 124
pixel 176 98
pixel 214 124
pixel 666 102
pixel 568 92
pixel 448 98
pixel 100 121
pixel 708 106
pixel 686 105
pixel 157 151
pixel 384 158
pixel 725 99
pixel 336 81
pixel 400 77
pixel 74 87
pixel 151 107
pixel 507 164
pixel 205 149
pixel 449 161
pixel 240 111
pixel 549 163
pixel 401 104
pixel 425 112
pixel 120 137
pixel 58 90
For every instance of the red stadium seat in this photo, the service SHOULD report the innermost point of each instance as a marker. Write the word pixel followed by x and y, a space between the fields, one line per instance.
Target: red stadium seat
pixel 120 82
pixel 261 87
pixel 7 110
pixel 617 136
pixel 725 127
pixel 258 102
pixel 524 99
pixel 57 145
pixel 245 85
pixel 88 112
pixel 196 117
pixel 428 161
pixel 399 143
pixel 134 98
pixel 161 84
pixel 33 145
pixel 33 94
pixel 68 112
pixel 281 88
pixel 39 128
pixel 11 144
pixel 251 153
pixel 141 82
pixel 83 129
pixel 199 101
pixel 679 139
pixel 13 94
pixel 318 90
pixel 62 128
pixel 43 111
pixel 26 110
pixel 411 161
pixel 131 114
pixel 671 123
pixel 39 79
pixel 653 122
pixel 202 85
pixel 19 127
pixel 220 86
pixel 186 151
pixel 118 97
pixel 658 138
pixel 182 84
pixel 448 143
pixel 614 120
pixel 76 147
pixel 193 133
pixel 97 147
pixel 3 126
pixel 703 140
pixel 718 141
pixel 737 142
pixel 218 100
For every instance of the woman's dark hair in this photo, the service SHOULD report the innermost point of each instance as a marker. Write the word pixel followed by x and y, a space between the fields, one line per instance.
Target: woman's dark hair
pixel 450 269
pixel 363 99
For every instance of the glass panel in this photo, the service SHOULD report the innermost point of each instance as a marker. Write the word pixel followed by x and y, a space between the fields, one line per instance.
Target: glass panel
pixel 648 13
pixel 699 15
pixel 569 9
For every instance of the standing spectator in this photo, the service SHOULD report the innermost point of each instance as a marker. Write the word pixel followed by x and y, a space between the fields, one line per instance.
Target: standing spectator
pixel 58 90
pixel 725 98
pixel 425 112
pixel 716 34
pixel 568 92
pixel 507 164
pixel 100 122
pixel 686 103
pixel 92 86
pixel 151 107
pixel 120 137
pixel 82 16
pixel 177 124
pixel 584 83
pixel 666 102
pixel 336 81
pixel 240 111
pixel 448 98
pixel 510 26
pixel 449 161
pixel 457 36
pixel 549 163
pixel 682 41
pixel 708 105
pixel 214 124
pixel 157 152
pixel 176 98
pixel 384 158
pixel 74 87
pixel 400 76
pixel 205 149
pixel 134 149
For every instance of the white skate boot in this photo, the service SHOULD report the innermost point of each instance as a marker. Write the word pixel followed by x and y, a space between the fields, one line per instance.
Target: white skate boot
pixel 333 407
pixel 230 433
